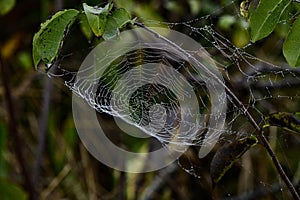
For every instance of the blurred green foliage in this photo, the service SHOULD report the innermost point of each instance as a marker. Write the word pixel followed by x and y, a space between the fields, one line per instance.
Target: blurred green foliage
pixel 6 6
pixel 10 191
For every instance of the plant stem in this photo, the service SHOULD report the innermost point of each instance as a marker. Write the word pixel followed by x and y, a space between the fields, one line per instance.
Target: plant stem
pixel 42 129
pixel 14 131
pixel 43 120
pixel 281 172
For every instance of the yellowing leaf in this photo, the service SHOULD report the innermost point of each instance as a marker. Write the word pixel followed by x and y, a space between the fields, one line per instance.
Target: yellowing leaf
pixel 227 155
pixel 285 120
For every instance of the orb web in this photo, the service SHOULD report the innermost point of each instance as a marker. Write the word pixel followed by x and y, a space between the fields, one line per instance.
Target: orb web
pixel 164 91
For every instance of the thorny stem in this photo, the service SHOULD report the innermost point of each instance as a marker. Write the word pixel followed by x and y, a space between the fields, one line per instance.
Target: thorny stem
pixel 261 137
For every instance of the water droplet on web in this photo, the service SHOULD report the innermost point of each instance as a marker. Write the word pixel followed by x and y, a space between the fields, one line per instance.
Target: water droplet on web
pixel 48 65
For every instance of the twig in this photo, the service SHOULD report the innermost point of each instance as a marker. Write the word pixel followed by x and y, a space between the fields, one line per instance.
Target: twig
pixel 88 173
pixel 14 131
pixel 261 137
pixel 56 181
pixel 158 182
pixel 259 192
pixel 43 119
pixel 278 166
pixel 42 129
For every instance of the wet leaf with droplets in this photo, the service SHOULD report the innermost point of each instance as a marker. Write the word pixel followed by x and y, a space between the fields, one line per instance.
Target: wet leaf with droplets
pixel 48 40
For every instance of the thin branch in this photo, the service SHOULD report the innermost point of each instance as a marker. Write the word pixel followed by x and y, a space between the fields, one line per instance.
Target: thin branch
pixel 158 182
pixel 261 137
pixel 260 192
pixel 278 166
pixel 14 131
pixel 287 83
pixel 44 118
pixel 56 181
pixel 42 129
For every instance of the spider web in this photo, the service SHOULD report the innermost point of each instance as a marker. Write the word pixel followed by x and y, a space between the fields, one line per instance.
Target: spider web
pixel 263 84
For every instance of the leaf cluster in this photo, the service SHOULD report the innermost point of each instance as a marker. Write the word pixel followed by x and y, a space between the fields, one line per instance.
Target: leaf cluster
pixel 267 16
pixel 101 22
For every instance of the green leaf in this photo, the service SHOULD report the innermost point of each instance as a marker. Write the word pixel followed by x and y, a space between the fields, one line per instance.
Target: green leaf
pixel 227 155
pixel 97 17
pixel 291 46
pixel 48 40
pixel 265 18
pixel 116 20
pixel 10 191
pixel 85 27
pixel 283 119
